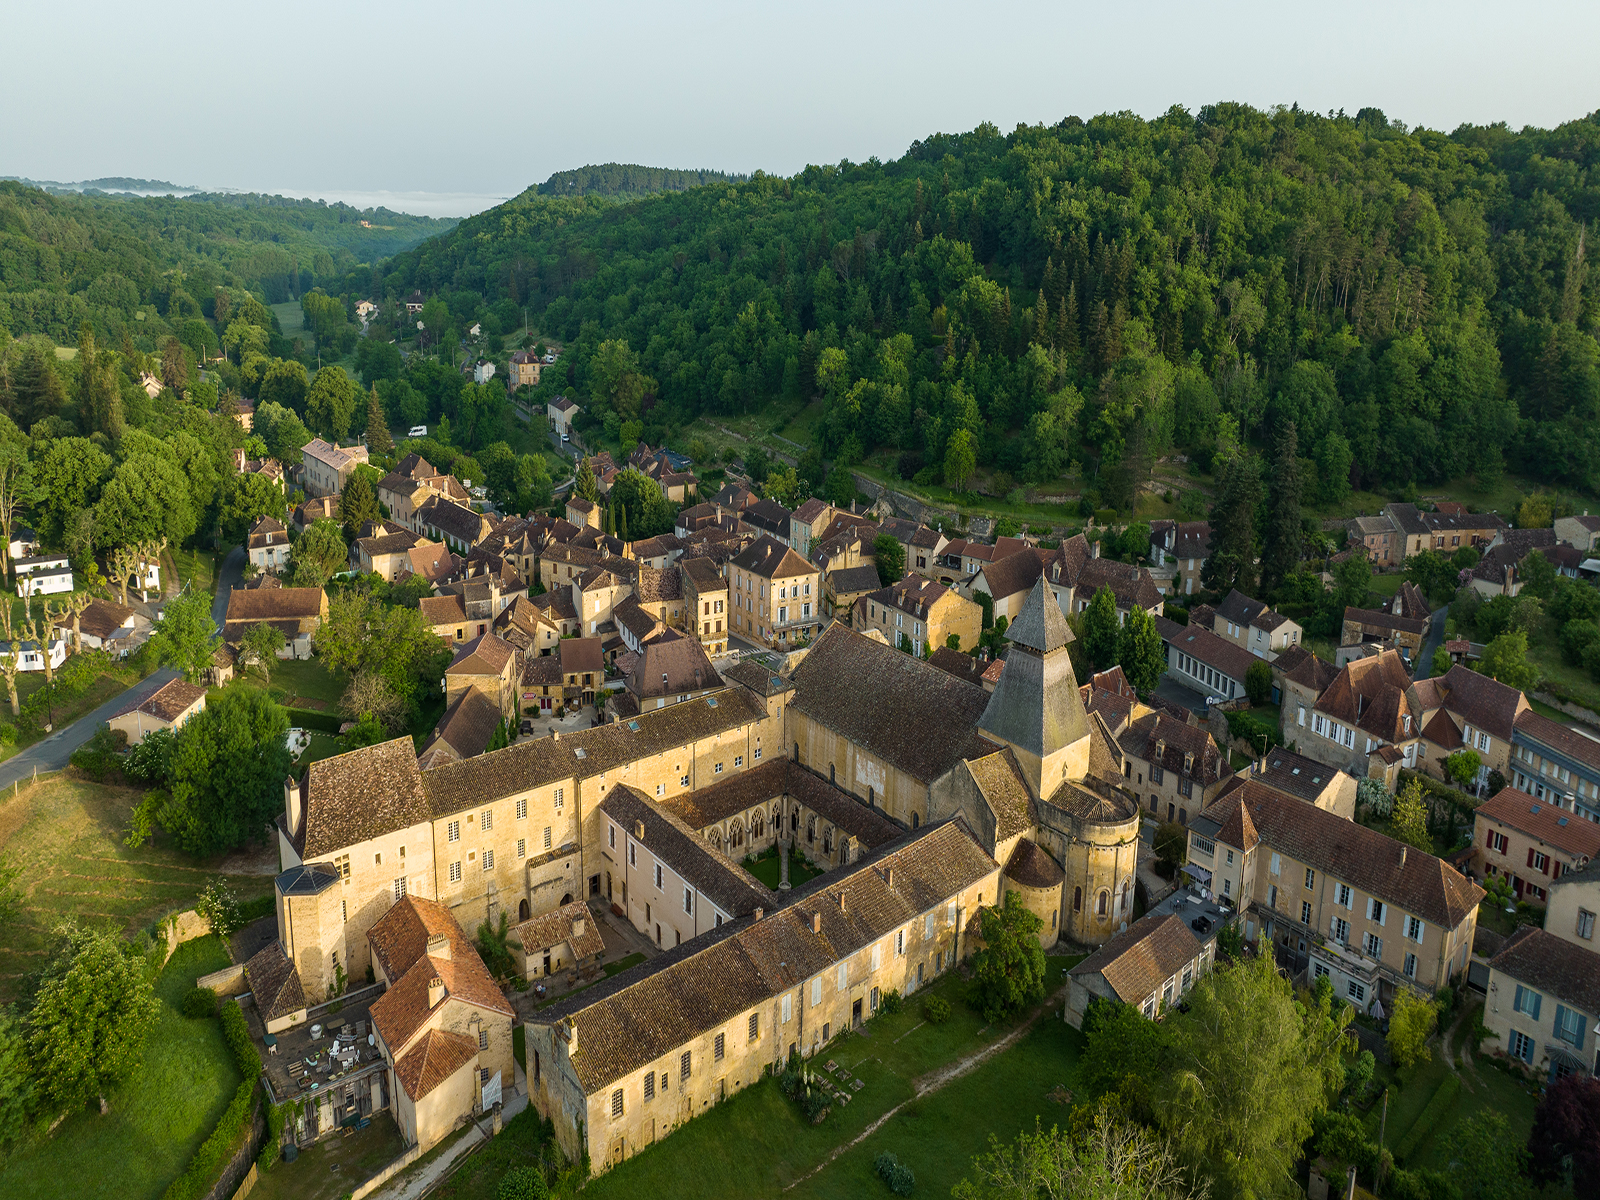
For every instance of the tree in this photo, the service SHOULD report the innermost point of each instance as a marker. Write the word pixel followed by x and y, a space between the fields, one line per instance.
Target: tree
pixel 331 404
pixel 1506 659
pixel 1411 1023
pixel 1231 560
pixel 1538 576
pixel 1171 846
pixel 186 637
pixel 16 1085
pixel 960 459
pixel 1283 547
pixel 378 440
pixel 371 696
pixel 36 390
pixel 87 1030
pixel 248 498
pixel 1110 1160
pixel 1009 971
pixel 361 635
pixel 1100 629
pixel 319 555
pixel 1487 1159
pixel 890 558
pixel 1140 651
pixel 147 497
pixel 641 505
pixel 358 503
pixel 259 648
pixel 1441 663
pixel 1258 682
pixel 226 770
pixel 1564 1146
pixel 17 487
pixel 585 486
pixel 218 906
pixel 69 475
pixel 281 430
pixel 1463 766
pixel 1409 821
pixel 1250 1070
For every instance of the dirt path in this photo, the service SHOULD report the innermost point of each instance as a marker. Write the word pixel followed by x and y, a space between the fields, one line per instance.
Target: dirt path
pixel 934 1080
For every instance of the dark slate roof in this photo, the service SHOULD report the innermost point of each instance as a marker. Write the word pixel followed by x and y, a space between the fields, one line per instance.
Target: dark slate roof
pixel 1142 957
pixel 758 678
pixel 850 580
pixel 360 795
pixel 1219 653
pixel 1041 624
pixel 728 885
pixel 307 879
pixel 1032 867
pixel 1552 965
pixel 274 982
pixel 893 705
pixel 1482 702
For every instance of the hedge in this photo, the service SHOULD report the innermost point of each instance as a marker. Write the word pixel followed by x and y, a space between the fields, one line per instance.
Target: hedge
pixel 1246 725
pixel 1442 791
pixel 309 718
pixel 201 1173
pixel 1429 1118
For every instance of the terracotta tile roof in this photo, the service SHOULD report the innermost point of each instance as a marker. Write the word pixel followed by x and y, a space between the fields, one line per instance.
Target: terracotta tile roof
pixel 1013 574
pixel 274 604
pixel 1552 965
pixel 1541 819
pixel 1442 732
pixel 400 941
pixel 672 664
pixel 1378 618
pixel 728 885
pixel 1300 666
pixel 912 595
pixel 535 762
pixel 553 928
pixel 1370 694
pixel 443 610
pixel 1482 702
pixel 1204 646
pixel 172 700
pixel 641 1015
pixel 771 559
pixel 101 619
pixel 274 982
pixel 360 795
pixel 1533 727
pixel 580 655
pixel 486 654
pixel 438 1054
pixel 389 543
pixel 1032 867
pixel 1362 857
pixel 1139 960
pixel 811 510
pixel 848 682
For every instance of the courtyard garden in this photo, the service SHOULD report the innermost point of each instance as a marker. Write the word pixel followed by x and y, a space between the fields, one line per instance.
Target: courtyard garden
pixel 766 867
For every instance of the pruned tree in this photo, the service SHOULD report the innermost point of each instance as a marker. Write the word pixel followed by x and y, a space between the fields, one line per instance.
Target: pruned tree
pixel 121 566
pixel 76 604
pixel 11 664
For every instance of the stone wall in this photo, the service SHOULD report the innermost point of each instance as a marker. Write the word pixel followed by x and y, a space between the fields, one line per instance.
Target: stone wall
pixel 1576 711
pixel 181 927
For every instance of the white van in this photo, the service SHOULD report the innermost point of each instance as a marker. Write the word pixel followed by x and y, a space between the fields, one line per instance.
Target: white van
pixel 417 431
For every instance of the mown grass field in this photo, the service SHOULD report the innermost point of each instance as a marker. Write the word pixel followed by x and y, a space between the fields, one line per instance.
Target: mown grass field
pixel 66 835
pixel 159 1116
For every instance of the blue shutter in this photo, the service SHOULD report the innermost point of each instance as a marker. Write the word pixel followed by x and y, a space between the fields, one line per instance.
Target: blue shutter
pixel 1561 1022
pixel 1516 1004
pixel 1537 1000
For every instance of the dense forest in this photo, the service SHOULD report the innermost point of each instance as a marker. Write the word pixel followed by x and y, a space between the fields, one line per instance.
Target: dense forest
pixel 628 181
pixel 1095 294
pixel 143 266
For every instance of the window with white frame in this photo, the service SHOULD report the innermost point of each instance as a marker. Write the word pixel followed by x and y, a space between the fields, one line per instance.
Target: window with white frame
pixel 452 831
pixel 1356 991
pixel 522 847
pixel 522 808
pixel 658 877
pixel 455 871
pixel 1373 945
pixel 486 819
pixel 560 800
pixel 547 838
pixel 488 860
pixel 1521 1046
pixel 1343 896
pixel 1415 928
pixel 400 889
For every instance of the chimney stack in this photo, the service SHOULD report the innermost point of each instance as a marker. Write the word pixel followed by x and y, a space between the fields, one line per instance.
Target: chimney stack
pixel 439 946
pixel 1402 854
pixel 841 902
pixel 577 927
pixel 816 921
pixel 435 992
pixel 293 804
pixel 638 831
pixel 759 913
pixel 888 875
pixel 569 1030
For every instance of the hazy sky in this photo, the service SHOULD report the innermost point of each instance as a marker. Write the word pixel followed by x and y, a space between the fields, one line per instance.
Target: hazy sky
pixel 487 98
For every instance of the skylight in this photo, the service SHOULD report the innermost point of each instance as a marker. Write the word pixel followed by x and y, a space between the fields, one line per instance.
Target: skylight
pixel 581 752
pixel 712 701
pixel 633 725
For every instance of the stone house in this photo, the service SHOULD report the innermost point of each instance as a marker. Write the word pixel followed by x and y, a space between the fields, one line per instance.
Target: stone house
pixel 326 468
pixel 1335 898
pixel 297 613
pixel 1299 778
pixel 1572 903
pixel 1150 966
pixel 524 369
pixel 566 938
pixel 1007 582
pixel 490 664
pixel 1174 768
pixel 1582 531
pixel 1543 1002
pixel 1077 572
pixel 1251 625
pixel 776 594
pixel 267 545
pixel 705 602
pixel 919 615
pixel 1556 764
pixel 442 1023
pixel 1530 841
pixel 561 412
pixel 1178 552
pixel 171 706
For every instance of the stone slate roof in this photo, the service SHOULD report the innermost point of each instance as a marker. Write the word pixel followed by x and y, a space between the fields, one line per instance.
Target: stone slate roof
pixel 468 725
pixel 1515 545
pixel 639 1016
pixel 1140 959
pixel 1041 624
pixel 771 559
pixel 752 674
pixel 1168 743
pixel 399 941
pixel 741 792
pixel 768 516
pixel 1032 867
pixel 274 982
pixel 962 666
pixel 1301 666
pixel 1297 775
pixel 893 705
pixel 360 795
pixel 1006 791
pixel 852 580
pixel 1482 702
pixel 728 885
pixel 1035 705
pixel 535 762
pixel 1364 858
pixel 538 934
pixel 1541 819
pixel 1553 966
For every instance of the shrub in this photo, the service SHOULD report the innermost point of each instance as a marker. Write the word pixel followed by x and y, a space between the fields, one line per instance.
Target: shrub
pixel 895 1173
pixel 200 1002
pixel 1262 735
pixel 1373 796
pixel 97 758
pixel 236 1033
pixel 204 1167
pixel 890 1002
pixel 220 908
pixel 523 1183
pixel 1171 846
pixel 936 1010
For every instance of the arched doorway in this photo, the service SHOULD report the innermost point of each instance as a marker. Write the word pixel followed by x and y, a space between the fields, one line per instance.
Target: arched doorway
pixel 522 911
pixel 566 898
pixel 915 820
pixel 735 837
pixel 1077 899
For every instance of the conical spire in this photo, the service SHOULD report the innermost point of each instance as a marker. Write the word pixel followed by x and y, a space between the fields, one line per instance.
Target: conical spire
pixel 1041 625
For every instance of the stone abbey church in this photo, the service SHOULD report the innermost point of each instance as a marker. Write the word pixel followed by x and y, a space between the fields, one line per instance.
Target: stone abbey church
pixel 922 796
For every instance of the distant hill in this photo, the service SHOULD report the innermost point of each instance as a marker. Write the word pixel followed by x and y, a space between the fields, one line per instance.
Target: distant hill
pixel 111 183
pixel 624 181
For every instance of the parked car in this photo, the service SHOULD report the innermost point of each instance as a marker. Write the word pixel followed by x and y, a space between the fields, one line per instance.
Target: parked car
pixel 566 437
pixel 417 431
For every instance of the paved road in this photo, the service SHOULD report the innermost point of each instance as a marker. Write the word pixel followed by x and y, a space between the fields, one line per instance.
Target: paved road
pixel 1434 641
pixel 52 753
pixel 230 573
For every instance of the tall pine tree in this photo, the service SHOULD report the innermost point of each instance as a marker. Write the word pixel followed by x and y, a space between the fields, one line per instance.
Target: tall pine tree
pixel 378 439
pixel 1280 556
pixel 1231 561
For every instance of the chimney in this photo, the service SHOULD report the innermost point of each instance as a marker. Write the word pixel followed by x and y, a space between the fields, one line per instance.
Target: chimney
pixel 816 921
pixel 435 992
pixel 577 927
pixel 759 913
pixel 1094 549
pixel 888 875
pixel 569 1030
pixel 841 902
pixel 292 804
pixel 638 831
pixel 439 946
pixel 555 735
pixel 1402 854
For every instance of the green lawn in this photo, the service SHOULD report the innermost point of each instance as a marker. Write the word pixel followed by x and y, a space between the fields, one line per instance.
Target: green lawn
pixel 768 871
pixel 335 1165
pixel 197 568
pixel 309 677
pixel 520 1144
pixel 1545 653
pixel 323 745
pixel 1386 585
pixel 66 835
pixel 64 711
pixel 158 1117
pixel 776 1145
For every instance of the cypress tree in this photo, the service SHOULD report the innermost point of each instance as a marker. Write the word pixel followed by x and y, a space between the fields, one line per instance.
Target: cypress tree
pixel 1041 320
pixel 378 439
pixel 1280 556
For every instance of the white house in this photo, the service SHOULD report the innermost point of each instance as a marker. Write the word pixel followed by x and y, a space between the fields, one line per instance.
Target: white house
pixel 45 582
pixel 33 660
pixel 482 370
pixel 24 542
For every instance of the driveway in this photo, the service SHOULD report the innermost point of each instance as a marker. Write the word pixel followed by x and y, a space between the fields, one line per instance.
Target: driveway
pixel 52 753
pixel 230 573
pixel 1169 688
pixel 1434 641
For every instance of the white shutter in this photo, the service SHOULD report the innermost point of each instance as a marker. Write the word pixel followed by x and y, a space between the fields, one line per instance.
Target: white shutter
pixel 1275 862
